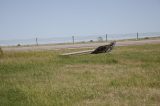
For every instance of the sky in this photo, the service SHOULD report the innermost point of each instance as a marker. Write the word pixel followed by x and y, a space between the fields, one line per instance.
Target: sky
pixel 60 18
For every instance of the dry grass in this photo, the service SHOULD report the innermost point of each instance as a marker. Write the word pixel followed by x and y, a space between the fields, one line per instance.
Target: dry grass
pixel 1 52
pixel 127 76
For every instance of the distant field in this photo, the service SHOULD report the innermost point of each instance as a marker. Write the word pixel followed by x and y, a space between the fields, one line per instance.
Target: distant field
pixel 126 76
pixel 81 45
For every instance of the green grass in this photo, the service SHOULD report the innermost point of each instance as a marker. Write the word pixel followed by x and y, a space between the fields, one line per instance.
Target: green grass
pixel 126 76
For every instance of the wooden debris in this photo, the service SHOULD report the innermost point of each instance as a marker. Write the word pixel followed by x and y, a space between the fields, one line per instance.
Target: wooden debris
pixel 104 49
pixel 100 49
pixel 80 52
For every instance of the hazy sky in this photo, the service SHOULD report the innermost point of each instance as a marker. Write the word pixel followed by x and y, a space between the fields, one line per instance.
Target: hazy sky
pixel 50 18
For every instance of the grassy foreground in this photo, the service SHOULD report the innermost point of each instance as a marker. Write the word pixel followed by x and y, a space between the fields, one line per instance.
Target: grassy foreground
pixel 126 76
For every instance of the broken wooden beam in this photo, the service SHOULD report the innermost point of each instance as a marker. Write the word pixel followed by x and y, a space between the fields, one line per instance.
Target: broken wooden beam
pixel 80 52
pixel 100 49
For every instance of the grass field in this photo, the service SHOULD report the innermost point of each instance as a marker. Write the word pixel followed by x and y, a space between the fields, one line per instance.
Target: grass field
pixel 126 76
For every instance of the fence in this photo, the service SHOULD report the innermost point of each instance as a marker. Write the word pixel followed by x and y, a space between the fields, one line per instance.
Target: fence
pixel 77 38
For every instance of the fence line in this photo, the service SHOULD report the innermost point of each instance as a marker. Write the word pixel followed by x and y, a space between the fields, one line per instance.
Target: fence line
pixel 78 38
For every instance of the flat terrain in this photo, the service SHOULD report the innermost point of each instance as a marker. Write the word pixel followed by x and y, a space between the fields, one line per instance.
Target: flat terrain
pixel 129 75
pixel 81 45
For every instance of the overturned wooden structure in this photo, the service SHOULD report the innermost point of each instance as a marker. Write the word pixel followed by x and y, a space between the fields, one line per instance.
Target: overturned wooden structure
pixel 100 49
pixel 104 49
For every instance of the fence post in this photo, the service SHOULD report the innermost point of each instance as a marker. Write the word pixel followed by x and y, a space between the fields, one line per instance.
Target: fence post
pixel 73 39
pixel 106 37
pixel 37 41
pixel 137 35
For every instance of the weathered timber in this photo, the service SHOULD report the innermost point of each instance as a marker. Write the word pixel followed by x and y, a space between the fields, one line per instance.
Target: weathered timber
pixel 80 52
pixel 104 49
pixel 100 49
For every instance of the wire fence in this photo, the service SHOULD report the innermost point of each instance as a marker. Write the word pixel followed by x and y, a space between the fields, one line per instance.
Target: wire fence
pixel 77 38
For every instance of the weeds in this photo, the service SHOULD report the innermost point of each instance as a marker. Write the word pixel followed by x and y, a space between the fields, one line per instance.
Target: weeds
pixel 1 52
pixel 126 76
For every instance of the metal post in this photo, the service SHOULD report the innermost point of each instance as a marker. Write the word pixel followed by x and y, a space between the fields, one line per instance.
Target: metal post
pixel 37 41
pixel 137 35
pixel 73 39
pixel 106 37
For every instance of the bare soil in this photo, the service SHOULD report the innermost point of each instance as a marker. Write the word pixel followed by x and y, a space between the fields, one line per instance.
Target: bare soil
pixel 75 46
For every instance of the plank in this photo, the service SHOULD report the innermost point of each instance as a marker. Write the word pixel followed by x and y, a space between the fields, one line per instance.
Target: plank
pixel 79 52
